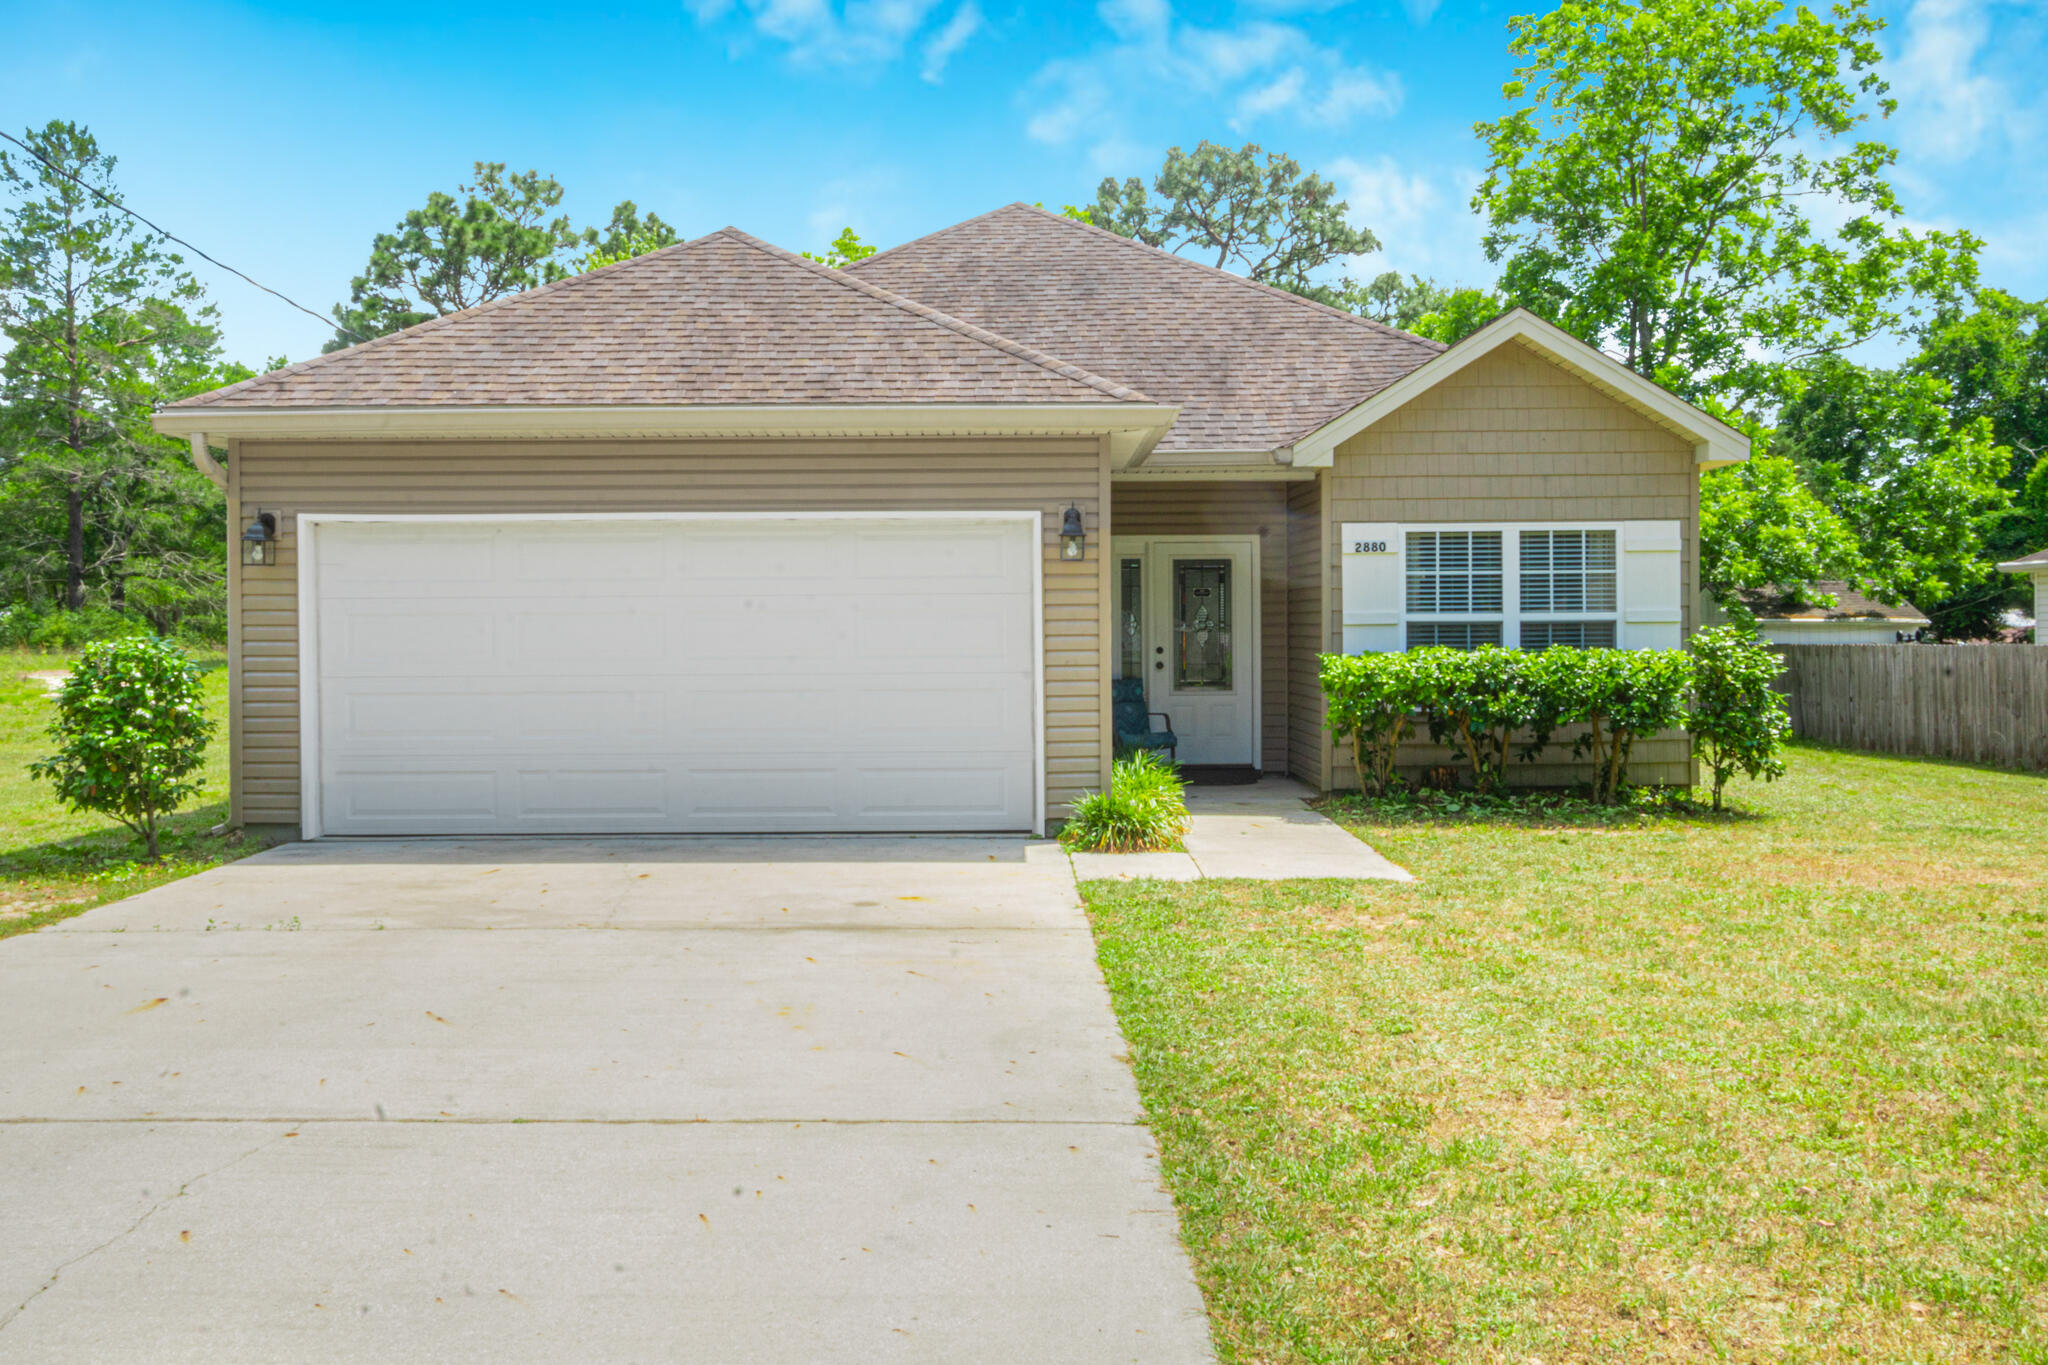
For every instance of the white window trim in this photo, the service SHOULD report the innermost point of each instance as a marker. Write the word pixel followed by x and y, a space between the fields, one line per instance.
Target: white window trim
pixel 1649 581
pixel 1511 614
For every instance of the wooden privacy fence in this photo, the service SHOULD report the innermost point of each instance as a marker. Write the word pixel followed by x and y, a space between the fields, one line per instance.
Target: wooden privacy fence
pixel 1978 703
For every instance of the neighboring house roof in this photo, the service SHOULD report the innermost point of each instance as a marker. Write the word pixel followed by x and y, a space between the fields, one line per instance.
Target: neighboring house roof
pixel 2036 562
pixel 724 319
pixel 1773 604
pixel 1251 367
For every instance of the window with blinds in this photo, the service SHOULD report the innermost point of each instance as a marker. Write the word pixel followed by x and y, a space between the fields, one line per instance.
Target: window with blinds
pixel 1568 571
pixel 1453 634
pixel 1454 573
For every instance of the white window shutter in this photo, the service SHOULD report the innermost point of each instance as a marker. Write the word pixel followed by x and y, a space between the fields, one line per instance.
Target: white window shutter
pixel 1652 610
pixel 1374 587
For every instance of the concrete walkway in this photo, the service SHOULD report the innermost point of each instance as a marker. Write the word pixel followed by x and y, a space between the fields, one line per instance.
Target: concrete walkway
pixel 637 1099
pixel 1262 832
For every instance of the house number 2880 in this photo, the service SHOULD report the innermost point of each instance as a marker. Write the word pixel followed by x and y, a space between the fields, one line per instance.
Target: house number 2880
pixel 1368 547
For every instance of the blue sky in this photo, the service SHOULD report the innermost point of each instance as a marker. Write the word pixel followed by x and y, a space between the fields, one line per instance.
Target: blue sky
pixel 282 139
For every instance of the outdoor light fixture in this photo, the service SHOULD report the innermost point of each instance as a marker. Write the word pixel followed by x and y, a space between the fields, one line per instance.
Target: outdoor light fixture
pixel 259 540
pixel 1073 540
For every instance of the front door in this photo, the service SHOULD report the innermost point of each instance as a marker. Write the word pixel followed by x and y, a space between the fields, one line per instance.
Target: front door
pixel 1187 616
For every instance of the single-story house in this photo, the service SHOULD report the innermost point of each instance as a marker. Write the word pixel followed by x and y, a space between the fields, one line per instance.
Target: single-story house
pixel 1853 618
pixel 720 539
pixel 2034 566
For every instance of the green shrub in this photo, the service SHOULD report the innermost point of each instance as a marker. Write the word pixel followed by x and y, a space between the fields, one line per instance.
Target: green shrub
pixel 131 730
pixel 1477 699
pixel 1621 695
pixel 24 627
pixel 1144 810
pixel 1738 719
pixel 1372 699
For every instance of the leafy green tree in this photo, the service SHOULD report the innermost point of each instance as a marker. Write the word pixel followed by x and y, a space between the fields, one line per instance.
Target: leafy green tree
pixel 1738 720
pixel 1881 449
pixel 1461 313
pixel 1761 525
pixel 501 236
pixel 1423 306
pixel 626 236
pixel 131 730
pixel 102 325
pixel 846 248
pixel 1994 359
pixel 1650 188
pixel 1253 209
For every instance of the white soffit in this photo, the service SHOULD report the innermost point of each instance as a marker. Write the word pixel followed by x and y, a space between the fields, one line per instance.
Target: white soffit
pixel 1715 443
pixel 1133 428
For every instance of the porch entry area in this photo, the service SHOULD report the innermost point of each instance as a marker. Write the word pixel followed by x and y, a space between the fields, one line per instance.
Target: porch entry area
pixel 1188 624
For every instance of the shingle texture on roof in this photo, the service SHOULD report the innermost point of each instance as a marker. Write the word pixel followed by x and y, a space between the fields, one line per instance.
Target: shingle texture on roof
pixel 2036 560
pixel 1252 368
pixel 1771 603
pixel 722 319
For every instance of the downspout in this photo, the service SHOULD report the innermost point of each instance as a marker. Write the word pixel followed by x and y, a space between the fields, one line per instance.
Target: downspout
pixel 203 461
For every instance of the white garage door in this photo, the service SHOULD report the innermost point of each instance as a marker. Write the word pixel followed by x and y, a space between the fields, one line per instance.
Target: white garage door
pixel 657 676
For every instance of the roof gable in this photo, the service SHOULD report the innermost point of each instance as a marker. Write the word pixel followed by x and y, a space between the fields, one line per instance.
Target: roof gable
pixel 724 319
pixel 1714 442
pixel 1251 367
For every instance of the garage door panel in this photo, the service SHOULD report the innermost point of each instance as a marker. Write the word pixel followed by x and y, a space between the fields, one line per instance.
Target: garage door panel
pixel 970 714
pixel 370 638
pixel 635 794
pixel 678 676
pixel 592 641
pixel 752 636
pixel 755 716
pixel 914 793
pixel 382 802
pixel 619 553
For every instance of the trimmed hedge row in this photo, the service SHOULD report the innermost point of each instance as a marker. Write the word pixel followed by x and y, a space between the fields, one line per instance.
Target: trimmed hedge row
pixel 1490 702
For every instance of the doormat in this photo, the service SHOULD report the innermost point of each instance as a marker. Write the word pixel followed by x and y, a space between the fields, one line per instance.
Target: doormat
pixel 1218 774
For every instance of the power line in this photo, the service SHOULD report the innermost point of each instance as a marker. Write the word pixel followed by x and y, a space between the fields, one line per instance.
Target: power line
pixel 112 202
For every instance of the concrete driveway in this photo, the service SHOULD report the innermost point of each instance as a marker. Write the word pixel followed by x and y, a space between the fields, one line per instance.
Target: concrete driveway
pixel 627 1099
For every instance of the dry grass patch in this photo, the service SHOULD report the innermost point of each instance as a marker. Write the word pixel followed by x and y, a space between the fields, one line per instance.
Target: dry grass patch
pixel 1653 1085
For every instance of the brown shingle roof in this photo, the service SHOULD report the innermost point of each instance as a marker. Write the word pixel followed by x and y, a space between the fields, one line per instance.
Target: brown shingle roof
pixel 2036 560
pixel 1252 367
pixel 1774 604
pixel 723 319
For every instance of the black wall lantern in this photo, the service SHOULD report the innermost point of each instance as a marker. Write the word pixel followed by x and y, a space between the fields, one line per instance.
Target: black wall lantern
pixel 1073 540
pixel 259 540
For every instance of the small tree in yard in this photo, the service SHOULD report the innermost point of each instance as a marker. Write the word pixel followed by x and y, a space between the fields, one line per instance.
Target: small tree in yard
pixel 1477 699
pixel 1372 698
pixel 132 731
pixel 1624 694
pixel 1738 719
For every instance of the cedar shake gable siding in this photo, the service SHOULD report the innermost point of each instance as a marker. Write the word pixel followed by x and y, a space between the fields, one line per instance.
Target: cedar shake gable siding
pixel 1252 368
pixel 1515 438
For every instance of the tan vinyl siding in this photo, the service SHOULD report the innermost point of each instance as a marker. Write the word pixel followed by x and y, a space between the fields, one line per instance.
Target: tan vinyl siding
pixel 1307 627
pixel 1230 508
pixel 1515 438
pixel 1042 475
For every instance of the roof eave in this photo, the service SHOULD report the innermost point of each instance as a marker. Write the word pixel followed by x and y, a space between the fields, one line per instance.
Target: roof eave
pixel 1134 428
pixel 1715 443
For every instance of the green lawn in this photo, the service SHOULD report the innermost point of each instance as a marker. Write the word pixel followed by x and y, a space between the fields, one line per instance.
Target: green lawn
pixel 1766 1087
pixel 54 863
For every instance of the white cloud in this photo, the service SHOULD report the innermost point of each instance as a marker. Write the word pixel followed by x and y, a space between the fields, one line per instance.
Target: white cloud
pixel 951 37
pixel 863 33
pixel 1946 101
pixel 1262 71
pixel 1423 219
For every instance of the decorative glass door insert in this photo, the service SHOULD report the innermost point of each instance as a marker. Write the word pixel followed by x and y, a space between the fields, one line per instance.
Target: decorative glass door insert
pixel 1202 656
pixel 1130 611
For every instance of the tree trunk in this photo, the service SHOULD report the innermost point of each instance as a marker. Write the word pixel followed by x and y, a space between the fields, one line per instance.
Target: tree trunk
pixel 74 547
